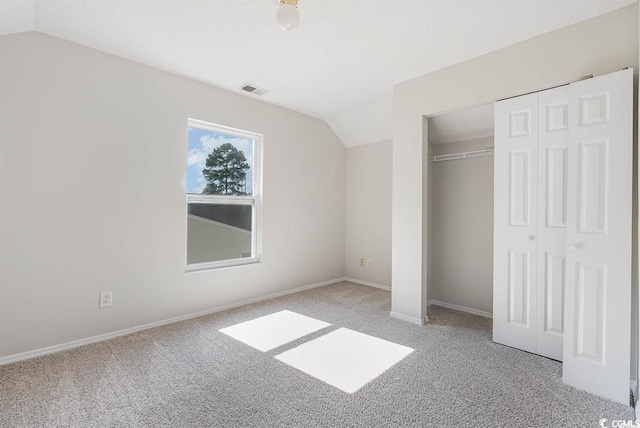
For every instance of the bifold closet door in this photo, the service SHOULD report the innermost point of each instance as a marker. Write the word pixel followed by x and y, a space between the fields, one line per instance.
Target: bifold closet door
pixel 553 146
pixel 562 229
pixel 531 155
pixel 515 222
pixel 598 293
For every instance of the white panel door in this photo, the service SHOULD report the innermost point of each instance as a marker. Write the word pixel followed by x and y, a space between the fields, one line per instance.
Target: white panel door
pixel 598 291
pixel 553 146
pixel 515 222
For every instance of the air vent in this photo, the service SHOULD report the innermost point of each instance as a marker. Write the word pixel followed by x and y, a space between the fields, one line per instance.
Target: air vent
pixel 253 89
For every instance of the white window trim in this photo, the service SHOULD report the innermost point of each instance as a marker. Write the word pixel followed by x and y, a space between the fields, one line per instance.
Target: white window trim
pixel 254 200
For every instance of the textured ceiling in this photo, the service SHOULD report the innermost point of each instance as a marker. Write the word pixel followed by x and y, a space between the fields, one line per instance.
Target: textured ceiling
pixel 339 65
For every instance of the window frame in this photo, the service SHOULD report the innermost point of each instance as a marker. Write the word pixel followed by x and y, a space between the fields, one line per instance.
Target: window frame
pixel 254 200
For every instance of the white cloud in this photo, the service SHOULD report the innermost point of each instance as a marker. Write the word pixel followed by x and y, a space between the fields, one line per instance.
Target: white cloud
pixel 196 157
pixel 245 145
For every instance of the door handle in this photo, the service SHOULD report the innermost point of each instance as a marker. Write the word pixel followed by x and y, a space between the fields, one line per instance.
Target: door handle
pixel 530 238
pixel 575 247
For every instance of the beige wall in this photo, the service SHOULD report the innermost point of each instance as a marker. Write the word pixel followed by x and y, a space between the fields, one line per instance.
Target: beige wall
pixel 597 46
pixel 93 151
pixel 460 247
pixel 368 216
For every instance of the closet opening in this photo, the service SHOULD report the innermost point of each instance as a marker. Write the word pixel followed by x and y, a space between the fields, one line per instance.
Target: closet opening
pixel 460 210
pixel 529 213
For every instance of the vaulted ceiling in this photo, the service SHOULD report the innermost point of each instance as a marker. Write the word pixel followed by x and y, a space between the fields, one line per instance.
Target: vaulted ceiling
pixel 339 65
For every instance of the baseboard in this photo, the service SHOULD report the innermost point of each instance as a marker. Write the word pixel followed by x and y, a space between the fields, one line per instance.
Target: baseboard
pixel 81 342
pixel 406 318
pixel 367 283
pixel 396 315
pixel 460 308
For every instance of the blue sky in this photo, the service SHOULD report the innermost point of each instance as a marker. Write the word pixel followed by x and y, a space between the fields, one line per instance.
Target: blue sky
pixel 202 142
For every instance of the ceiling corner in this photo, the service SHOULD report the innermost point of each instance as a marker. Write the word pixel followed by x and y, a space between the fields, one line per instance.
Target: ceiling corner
pixel 370 123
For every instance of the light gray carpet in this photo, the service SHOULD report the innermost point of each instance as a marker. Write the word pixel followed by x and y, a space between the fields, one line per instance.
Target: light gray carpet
pixel 190 375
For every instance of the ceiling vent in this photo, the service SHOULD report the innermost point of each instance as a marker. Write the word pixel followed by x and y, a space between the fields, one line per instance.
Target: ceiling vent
pixel 253 89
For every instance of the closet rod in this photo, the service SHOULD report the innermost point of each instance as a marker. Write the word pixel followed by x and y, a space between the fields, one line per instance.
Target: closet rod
pixel 585 77
pixel 463 155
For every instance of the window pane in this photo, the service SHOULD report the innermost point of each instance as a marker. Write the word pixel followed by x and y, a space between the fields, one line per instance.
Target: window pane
pixel 219 164
pixel 218 232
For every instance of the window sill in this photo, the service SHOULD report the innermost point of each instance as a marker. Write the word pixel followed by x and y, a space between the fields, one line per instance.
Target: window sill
pixel 199 267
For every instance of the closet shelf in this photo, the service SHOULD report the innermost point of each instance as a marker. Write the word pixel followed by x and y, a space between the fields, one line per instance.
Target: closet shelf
pixel 463 155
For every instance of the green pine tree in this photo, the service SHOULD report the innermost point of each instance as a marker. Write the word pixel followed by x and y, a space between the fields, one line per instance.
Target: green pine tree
pixel 226 171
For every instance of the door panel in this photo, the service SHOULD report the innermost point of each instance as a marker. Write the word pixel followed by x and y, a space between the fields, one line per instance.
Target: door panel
pixel 519 286
pixel 554 283
pixel 555 191
pixel 598 291
pixel 553 155
pixel 515 218
pixel 519 187
pixel 592 186
pixel 590 312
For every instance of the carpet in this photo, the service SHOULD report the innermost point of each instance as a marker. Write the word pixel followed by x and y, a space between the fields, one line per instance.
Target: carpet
pixel 189 374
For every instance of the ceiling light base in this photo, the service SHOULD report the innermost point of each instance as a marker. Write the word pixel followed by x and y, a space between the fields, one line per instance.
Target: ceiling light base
pixel 288 16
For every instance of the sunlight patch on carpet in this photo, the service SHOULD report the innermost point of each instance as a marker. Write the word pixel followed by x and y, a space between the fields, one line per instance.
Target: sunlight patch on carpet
pixel 345 359
pixel 269 332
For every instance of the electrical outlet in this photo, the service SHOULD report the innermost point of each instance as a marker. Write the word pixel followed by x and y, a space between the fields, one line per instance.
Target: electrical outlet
pixel 369 263
pixel 106 299
pixel 361 261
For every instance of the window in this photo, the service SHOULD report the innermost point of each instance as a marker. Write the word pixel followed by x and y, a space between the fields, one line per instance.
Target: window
pixel 223 196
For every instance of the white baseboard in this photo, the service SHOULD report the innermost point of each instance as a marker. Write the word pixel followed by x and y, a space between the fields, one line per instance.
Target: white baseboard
pixel 406 318
pixel 460 308
pixel 81 342
pixel 397 315
pixel 367 283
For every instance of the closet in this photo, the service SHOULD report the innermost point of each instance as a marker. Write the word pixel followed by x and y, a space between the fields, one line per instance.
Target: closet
pixel 563 166
pixel 460 204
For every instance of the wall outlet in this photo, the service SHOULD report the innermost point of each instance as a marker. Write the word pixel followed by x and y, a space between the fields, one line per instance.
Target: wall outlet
pixel 369 263
pixel 361 261
pixel 106 299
